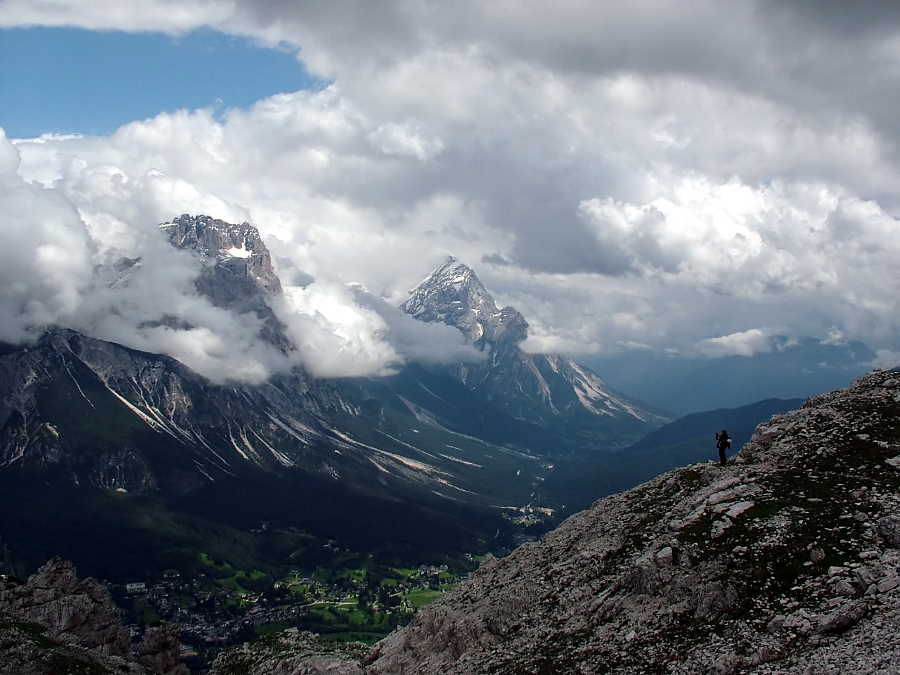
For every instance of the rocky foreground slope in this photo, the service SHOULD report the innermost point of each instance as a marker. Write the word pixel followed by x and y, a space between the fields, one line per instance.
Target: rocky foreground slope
pixel 785 561
pixel 56 623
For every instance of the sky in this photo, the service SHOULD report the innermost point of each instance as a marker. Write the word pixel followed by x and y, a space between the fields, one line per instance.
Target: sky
pixel 66 80
pixel 700 180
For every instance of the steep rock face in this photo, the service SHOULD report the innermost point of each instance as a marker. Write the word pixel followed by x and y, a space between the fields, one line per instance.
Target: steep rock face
pixel 101 414
pixel 237 248
pixel 785 561
pixel 238 273
pixel 453 295
pixel 74 611
pixel 160 651
pixel 56 623
pixel 107 414
pixel 548 388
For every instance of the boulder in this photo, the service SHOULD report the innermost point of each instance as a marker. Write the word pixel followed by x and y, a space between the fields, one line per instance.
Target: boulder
pixel 160 650
pixel 889 529
pixel 844 617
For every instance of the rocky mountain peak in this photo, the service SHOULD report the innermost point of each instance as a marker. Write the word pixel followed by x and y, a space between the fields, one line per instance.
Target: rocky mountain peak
pixel 453 295
pixel 237 247
pixel 545 388
pixel 238 273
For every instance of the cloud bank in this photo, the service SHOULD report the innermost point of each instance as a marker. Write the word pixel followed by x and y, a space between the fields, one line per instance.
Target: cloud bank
pixel 626 175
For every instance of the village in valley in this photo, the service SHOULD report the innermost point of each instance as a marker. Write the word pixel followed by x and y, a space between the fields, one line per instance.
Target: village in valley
pixel 225 606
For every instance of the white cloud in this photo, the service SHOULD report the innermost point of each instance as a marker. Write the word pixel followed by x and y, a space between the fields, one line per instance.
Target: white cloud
pixel 45 258
pixel 402 141
pixel 172 16
pixel 887 360
pixel 746 343
pixel 629 174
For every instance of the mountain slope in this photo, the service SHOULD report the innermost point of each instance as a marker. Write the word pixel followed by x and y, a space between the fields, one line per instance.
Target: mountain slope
pixel 784 561
pixel 419 462
pixel 83 420
pixel 698 428
pixel 685 441
pixel 547 389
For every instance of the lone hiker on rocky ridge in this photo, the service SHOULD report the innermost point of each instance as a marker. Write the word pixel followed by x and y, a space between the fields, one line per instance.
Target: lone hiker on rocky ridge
pixel 722 442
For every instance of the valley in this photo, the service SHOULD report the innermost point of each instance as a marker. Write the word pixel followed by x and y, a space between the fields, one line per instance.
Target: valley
pixel 224 606
pixel 128 462
pixel 338 506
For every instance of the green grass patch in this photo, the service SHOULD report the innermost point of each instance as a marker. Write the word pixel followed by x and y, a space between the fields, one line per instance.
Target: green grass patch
pixel 420 597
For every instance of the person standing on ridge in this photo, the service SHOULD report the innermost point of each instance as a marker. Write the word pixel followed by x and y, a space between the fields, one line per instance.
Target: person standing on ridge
pixel 722 442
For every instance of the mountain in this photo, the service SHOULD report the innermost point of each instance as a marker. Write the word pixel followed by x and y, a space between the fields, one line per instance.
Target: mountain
pixel 96 437
pixel 687 440
pixel 548 389
pixel 784 561
pixel 237 268
pixel 90 429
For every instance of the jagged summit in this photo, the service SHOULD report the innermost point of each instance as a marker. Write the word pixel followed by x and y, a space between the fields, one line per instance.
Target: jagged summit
pixel 237 247
pixel 238 273
pixel 547 387
pixel 453 295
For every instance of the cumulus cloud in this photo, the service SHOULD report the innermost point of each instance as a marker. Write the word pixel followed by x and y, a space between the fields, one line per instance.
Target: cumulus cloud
pixel 746 343
pixel 45 259
pixel 886 360
pixel 626 175
pixel 97 262
pixel 434 343
pixel 394 139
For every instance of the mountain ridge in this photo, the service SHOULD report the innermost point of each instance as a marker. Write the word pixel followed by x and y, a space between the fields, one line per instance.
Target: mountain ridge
pixel 549 388
pixel 784 561
pixel 82 414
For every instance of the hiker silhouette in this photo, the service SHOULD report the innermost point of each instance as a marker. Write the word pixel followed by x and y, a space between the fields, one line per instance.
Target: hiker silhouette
pixel 722 442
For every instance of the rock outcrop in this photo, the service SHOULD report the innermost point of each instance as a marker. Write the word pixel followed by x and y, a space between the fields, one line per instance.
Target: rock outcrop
pixel 57 623
pixel 72 611
pixel 785 561
pixel 292 652
pixel 160 650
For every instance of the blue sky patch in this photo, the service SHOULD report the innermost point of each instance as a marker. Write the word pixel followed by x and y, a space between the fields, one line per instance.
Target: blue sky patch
pixel 67 80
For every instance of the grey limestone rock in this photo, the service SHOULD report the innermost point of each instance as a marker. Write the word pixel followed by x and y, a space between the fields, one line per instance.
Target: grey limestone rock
pixel 160 650
pixel 844 617
pixel 889 529
pixel 529 386
pixel 651 581
pixel 73 611
pixel 238 274
pixel 292 652
pixel 56 623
